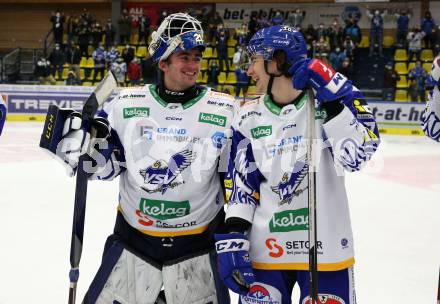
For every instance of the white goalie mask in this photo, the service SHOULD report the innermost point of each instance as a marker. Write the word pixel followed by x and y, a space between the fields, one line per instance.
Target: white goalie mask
pixel 178 32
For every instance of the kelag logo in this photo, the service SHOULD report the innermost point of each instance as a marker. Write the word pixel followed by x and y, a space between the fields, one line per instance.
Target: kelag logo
pixel 136 112
pixel 290 220
pixel 212 119
pixel 164 210
pixel 261 131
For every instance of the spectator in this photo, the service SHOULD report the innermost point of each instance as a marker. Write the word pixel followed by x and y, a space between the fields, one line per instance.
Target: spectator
pixel 72 79
pixel 111 56
pixel 119 68
pixel 241 35
pixel 124 28
pixel 349 48
pixel 83 39
pixel 428 26
pixel 414 39
pixel 335 35
pixel 134 29
pixel 73 58
pixel 57 20
pixel 417 77
pixel 149 70
pixel 144 28
pixel 213 72
pixel 214 24
pixel 277 19
pixel 353 30
pixel 109 34
pixel 58 59
pixel 336 57
pixel 321 31
pixel 321 49
pixel 72 28
pixel 402 27
pixel 240 56
pixel 390 78
pixel 346 68
pixel 99 56
pixel 242 81
pixel 43 72
pixel 128 54
pixel 87 17
pixel 222 47
pixel 376 30
pixel 296 17
pixel 134 72
pixel 310 34
pixel 97 33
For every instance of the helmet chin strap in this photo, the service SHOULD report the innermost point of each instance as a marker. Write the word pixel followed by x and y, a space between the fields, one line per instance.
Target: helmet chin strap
pixel 271 79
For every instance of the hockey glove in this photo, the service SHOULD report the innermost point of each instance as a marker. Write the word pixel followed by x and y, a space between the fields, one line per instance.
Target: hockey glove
pixel 328 84
pixel 234 263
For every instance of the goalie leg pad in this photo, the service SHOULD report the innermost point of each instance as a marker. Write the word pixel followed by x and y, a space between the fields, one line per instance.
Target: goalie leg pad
pixel 194 281
pixel 124 278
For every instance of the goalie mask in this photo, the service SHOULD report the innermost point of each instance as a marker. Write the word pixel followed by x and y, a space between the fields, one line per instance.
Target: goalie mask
pixel 178 32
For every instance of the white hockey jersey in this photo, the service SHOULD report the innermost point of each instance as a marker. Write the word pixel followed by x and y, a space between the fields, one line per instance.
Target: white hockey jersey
pixel 431 115
pixel 267 180
pixel 170 183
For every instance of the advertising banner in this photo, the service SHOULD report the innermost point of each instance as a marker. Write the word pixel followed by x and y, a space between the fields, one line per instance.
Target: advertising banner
pixel 30 103
pixel 234 14
pixel 154 10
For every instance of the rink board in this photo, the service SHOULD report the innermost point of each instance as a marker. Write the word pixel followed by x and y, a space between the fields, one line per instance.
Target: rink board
pixel 30 103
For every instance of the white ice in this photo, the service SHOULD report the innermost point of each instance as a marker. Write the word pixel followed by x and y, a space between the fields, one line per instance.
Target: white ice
pixel 395 209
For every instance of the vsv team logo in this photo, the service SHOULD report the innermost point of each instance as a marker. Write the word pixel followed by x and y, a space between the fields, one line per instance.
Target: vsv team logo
pixel 287 188
pixel 160 176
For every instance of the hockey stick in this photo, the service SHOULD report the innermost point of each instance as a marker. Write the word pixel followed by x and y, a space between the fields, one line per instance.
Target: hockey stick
pixel 313 253
pixel 102 91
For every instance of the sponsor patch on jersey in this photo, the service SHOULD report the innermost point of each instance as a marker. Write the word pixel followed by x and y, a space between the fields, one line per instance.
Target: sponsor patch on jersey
pixel 136 112
pixel 212 119
pixel 147 132
pixel 261 131
pixel 125 96
pixel 290 220
pixel 260 293
pixel 324 298
pixel 164 210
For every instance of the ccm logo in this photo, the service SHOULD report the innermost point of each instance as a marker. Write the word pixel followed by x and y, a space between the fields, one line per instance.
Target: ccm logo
pixel 231 245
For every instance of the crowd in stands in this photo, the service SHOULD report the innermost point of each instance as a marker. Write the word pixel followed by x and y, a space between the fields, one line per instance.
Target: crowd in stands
pixel 84 49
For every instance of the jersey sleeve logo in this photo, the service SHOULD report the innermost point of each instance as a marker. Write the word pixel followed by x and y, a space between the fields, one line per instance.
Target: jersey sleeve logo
pixel 160 175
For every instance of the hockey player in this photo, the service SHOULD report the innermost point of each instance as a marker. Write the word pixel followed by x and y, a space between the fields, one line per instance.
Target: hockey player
pixel 2 113
pixel 164 141
pixel 265 252
pixel 431 115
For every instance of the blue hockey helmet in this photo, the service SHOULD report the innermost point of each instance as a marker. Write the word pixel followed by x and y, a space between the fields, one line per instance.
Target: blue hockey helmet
pixel 278 37
pixel 178 32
